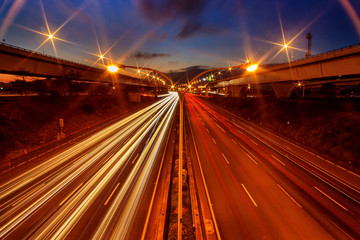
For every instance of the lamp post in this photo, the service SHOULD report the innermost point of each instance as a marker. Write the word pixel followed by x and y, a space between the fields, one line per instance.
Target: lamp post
pixel 113 69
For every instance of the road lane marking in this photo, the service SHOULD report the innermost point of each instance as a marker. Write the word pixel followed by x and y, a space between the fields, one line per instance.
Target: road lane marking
pixel 134 159
pixel 220 127
pixel 278 160
pixel 329 162
pixel 214 140
pixel 289 196
pixel 205 186
pixel 117 185
pixel 354 175
pixel 5 171
pixel 331 199
pixel 254 142
pixel 20 164
pixel 225 159
pixel 341 167
pixel 234 141
pixel 22 199
pixel 70 194
pixel 342 230
pixel 252 159
pixel 207 130
pixel 249 195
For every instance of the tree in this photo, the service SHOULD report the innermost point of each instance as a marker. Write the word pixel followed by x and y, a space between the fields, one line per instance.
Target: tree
pixel 41 87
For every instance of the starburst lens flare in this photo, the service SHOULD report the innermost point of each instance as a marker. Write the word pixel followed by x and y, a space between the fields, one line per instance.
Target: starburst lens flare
pixel 252 68
pixel 112 68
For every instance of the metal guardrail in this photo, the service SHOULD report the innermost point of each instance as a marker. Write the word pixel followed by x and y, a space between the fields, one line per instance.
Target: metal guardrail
pixel 44 55
pixel 325 53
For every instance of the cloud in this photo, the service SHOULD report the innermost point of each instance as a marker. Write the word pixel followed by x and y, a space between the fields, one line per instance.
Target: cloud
pixel 191 28
pixel 195 68
pixel 162 10
pixel 192 15
pixel 173 62
pixel 187 12
pixel 146 55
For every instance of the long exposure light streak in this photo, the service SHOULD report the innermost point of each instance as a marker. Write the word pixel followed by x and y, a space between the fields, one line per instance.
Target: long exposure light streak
pixel 116 144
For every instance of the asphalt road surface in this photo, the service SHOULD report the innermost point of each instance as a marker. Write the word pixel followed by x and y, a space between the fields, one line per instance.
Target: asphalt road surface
pixel 261 186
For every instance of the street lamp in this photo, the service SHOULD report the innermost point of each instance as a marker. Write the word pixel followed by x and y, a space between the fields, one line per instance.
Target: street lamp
pixel 112 68
pixel 252 68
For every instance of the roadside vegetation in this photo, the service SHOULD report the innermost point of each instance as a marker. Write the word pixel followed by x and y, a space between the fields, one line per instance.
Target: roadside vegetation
pixel 29 122
pixel 329 127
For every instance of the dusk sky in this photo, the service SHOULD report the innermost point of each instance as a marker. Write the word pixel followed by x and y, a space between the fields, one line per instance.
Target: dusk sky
pixel 175 34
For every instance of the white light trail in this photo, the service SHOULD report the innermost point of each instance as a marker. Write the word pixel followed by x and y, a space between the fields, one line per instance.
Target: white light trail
pixel 123 137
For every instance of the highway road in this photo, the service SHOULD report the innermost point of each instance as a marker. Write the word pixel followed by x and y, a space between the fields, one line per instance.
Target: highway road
pixel 98 188
pixel 261 186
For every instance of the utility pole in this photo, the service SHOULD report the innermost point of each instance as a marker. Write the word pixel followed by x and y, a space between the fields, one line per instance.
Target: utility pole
pixel 308 37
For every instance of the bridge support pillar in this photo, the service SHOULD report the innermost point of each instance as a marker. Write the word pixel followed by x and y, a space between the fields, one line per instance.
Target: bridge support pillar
pixel 283 90
pixel 236 90
pixel 226 91
pixel 206 92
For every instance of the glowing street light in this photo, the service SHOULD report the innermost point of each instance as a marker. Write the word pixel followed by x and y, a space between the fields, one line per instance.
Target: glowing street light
pixel 51 36
pixel 252 68
pixel 112 68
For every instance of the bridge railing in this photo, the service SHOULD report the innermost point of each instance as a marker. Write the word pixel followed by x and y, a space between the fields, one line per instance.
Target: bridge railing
pixel 328 52
pixel 45 55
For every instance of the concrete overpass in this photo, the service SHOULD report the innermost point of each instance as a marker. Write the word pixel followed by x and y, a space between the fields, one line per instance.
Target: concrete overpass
pixel 19 61
pixel 338 66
